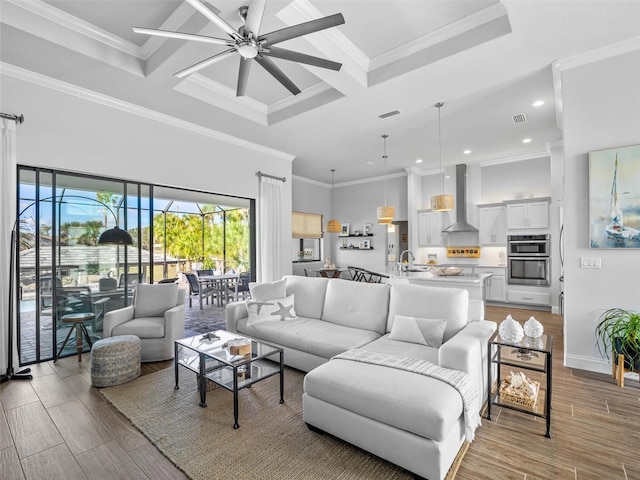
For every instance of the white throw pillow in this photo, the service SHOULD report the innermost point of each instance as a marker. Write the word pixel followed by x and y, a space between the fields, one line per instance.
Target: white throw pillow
pixel 279 309
pixel 268 291
pixel 424 331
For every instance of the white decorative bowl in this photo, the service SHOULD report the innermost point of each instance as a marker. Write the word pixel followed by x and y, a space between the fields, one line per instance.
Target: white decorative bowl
pixel 533 328
pixel 510 330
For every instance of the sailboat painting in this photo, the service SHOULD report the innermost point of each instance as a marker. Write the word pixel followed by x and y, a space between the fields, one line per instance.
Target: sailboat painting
pixel 614 198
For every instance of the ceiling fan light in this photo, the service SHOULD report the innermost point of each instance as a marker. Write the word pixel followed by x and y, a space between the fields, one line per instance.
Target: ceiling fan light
pixel 442 203
pixel 248 51
pixel 385 214
pixel 334 226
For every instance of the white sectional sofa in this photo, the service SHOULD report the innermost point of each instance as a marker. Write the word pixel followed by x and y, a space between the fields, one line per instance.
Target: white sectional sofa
pixel 410 419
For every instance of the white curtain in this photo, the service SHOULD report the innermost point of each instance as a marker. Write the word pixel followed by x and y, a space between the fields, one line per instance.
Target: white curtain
pixel 270 248
pixel 7 213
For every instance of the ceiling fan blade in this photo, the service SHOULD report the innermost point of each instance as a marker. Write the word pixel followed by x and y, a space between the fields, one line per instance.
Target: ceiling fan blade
pixel 214 18
pixel 254 17
pixel 302 58
pixel 300 29
pixel 243 76
pixel 278 74
pixel 205 63
pixel 182 36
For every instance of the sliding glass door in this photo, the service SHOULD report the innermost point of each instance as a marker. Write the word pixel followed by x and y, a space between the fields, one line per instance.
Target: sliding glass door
pixel 62 269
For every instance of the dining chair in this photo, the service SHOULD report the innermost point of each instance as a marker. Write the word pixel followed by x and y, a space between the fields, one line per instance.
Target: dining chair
pixel 207 271
pixel 240 288
pixel 195 287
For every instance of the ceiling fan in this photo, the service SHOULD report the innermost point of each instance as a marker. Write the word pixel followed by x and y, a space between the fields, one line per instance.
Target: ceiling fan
pixel 251 45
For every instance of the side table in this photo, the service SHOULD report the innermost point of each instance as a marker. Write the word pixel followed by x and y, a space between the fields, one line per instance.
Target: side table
pixel 533 354
pixel 77 323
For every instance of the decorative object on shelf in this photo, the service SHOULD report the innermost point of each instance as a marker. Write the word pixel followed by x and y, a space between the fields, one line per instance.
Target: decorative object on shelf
pixel 533 328
pixel 344 230
pixel 366 228
pixel 520 389
pixel 327 263
pixel 510 330
pixel 385 213
pixel 333 225
pixel 365 244
pixel 442 202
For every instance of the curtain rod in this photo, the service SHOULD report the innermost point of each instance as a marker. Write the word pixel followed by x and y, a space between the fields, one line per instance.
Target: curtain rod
pixel 260 174
pixel 16 118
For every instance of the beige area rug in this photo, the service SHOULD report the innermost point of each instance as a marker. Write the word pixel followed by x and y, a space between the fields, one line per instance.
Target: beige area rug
pixel 272 442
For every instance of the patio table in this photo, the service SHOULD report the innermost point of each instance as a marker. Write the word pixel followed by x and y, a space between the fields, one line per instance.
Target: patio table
pixel 219 282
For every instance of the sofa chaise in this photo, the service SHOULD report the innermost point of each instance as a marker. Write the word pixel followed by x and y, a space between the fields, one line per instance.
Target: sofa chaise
pixel 342 333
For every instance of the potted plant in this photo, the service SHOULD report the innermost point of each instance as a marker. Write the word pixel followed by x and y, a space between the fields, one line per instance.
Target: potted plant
pixel 619 331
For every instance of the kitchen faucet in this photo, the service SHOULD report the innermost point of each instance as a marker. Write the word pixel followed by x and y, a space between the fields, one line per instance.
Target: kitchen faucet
pixel 411 257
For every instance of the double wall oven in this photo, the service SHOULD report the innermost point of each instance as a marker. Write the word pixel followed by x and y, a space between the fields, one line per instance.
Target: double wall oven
pixel 529 260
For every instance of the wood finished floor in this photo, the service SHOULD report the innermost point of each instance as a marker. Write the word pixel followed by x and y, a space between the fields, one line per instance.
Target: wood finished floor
pixel 59 427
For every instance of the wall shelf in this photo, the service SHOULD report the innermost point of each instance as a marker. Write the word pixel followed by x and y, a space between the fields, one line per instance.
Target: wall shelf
pixel 355 248
pixel 356 236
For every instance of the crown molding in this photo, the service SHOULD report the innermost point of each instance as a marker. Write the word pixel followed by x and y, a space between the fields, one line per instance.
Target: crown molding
pixel 518 158
pixel 441 35
pixel 310 181
pixel 74 24
pixel 111 102
pixel 176 20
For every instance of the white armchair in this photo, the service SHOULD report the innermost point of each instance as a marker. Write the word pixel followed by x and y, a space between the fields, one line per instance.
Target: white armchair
pixel 156 317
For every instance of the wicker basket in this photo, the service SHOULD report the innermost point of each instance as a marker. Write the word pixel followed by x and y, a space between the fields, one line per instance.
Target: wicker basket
pixel 522 400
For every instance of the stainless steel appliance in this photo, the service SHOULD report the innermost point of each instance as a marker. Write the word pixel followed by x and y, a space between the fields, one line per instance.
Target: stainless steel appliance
pixel 528 260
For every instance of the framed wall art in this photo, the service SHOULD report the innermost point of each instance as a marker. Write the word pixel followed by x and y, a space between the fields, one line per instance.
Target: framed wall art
pixel 614 197
pixel 344 232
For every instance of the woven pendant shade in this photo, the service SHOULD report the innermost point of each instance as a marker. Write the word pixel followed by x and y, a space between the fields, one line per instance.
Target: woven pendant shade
pixel 334 226
pixel 385 214
pixel 442 203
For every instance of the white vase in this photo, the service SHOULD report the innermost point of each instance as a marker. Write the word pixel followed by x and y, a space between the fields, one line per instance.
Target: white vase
pixel 533 328
pixel 510 330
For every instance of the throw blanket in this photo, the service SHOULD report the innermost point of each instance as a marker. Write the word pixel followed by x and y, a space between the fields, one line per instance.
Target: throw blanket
pixel 458 379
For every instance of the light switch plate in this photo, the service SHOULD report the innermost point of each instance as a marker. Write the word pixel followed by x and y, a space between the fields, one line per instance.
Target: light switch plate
pixel 590 262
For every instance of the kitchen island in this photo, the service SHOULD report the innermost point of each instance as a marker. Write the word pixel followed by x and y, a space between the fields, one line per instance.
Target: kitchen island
pixel 473 283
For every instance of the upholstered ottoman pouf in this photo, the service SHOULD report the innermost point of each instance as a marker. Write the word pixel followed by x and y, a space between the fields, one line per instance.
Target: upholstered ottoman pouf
pixel 115 360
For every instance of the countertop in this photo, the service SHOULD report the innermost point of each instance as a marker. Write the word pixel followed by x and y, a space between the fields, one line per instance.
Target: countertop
pixel 462 278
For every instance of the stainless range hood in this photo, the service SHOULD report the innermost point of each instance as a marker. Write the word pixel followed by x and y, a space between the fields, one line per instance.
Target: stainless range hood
pixel 461 203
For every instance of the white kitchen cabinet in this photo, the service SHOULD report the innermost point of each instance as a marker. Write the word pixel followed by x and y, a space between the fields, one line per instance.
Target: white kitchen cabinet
pixel 496 285
pixel 429 229
pixel 530 215
pixel 493 225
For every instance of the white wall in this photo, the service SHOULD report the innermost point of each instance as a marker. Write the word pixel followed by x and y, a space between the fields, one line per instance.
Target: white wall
pixel 514 180
pixel 70 132
pixel 356 204
pixel 601 110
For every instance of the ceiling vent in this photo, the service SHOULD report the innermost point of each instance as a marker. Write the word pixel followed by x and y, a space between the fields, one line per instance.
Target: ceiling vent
pixel 519 118
pixel 389 114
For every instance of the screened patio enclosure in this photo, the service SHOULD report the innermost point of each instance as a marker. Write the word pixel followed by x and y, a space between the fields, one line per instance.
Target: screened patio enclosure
pixel 62 269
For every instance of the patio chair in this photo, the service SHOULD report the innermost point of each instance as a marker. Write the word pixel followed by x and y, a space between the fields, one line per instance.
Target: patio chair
pixel 240 289
pixel 195 290
pixel 156 316
pixel 132 279
pixel 207 271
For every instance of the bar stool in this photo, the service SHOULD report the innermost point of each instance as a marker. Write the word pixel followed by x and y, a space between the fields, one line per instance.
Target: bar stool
pixel 77 320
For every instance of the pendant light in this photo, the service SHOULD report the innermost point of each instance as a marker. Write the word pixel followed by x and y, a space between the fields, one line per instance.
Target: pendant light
pixel 333 225
pixel 385 213
pixel 442 202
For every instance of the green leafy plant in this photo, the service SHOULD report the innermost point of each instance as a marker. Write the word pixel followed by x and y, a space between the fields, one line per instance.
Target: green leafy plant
pixel 619 330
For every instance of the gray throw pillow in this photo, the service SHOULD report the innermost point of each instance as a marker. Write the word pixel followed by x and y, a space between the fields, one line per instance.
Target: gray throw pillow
pixel 423 331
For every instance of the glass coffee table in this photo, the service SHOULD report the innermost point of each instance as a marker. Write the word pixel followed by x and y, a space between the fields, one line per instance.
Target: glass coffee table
pixel 210 357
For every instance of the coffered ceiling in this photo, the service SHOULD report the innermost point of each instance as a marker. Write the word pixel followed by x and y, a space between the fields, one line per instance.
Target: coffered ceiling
pixel 486 60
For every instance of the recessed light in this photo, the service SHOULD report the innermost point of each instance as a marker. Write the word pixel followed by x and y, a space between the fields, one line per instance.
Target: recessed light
pixel 419 160
pixel 526 140
pixel 537 103
pixel 370 162
pixel 467 152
